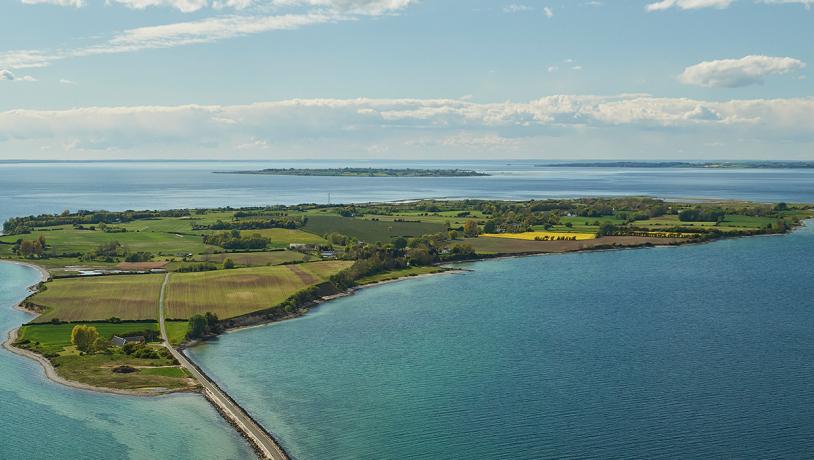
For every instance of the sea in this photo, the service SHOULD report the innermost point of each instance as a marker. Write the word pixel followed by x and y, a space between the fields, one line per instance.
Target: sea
pixel 692 351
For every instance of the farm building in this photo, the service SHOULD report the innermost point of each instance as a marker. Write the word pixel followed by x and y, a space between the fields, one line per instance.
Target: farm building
pixel 122 341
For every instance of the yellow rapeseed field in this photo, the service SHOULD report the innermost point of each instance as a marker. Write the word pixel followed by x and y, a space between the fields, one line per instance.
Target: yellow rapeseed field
pixel 545 236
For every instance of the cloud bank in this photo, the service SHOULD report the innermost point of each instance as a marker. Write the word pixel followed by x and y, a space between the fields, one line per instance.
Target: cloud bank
pixel 348 125
pixel 735 73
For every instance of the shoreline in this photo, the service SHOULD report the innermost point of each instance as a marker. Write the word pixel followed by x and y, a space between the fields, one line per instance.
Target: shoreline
pixel 483 258
pixel 49 370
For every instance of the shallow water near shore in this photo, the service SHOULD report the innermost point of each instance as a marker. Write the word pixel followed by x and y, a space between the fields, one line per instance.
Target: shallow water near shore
pixel 692 351
pixel 41 419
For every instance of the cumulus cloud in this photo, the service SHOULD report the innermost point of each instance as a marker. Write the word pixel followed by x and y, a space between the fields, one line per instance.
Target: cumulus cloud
pixel 299 120
pixel 734 73
pixel 549 13
pixel 688 4
pixel 8 75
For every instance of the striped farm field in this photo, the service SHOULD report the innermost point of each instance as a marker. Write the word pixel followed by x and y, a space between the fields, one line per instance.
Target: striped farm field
pixel 545 236
pixel 230 293
pixel 128 297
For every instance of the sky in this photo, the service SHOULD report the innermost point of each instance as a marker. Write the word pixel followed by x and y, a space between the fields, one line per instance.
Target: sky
pixel 407 79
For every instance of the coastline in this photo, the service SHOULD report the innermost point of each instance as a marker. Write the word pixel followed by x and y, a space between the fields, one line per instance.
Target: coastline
pixel 48 369
pixel 482 258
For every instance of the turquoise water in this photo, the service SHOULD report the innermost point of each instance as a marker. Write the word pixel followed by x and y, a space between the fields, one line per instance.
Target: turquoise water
pixel 695 351
pixel 40 419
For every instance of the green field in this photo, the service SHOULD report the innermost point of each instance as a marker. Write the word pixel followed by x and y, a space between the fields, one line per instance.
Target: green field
pixel 370 231
pixel 282 237
pixel 230 293
pixel 65 239
pixel 54 338
pixel 255 259
pixel 128 297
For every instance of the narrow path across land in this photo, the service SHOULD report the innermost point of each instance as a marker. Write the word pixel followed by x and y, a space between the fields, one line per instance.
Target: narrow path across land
pixel 262 440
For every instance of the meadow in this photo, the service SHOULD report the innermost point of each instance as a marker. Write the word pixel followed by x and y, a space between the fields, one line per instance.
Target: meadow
pixel 55 338
pixel 128 297
pixel 370 231
pixel 230 293
pixel 255 259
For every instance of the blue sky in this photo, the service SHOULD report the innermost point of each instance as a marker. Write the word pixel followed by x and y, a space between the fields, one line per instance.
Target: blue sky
pixel 309 79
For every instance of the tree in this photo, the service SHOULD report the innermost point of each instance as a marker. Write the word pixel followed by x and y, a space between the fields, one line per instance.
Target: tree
pixel 228 263
pixel 400 242
pixel 196 327
pixel 453 234
pixel 84 337
pixel 471 228
pixel 100 345
pixel 489 227
pixel 26 248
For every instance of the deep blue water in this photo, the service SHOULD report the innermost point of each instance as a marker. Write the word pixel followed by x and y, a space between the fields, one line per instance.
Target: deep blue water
pixel 690 352
pixel 36 188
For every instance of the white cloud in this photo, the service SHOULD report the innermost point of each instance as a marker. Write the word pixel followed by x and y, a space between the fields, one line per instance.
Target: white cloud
pixel 8 75
pixel 208 30
pixel 516 8
pixel 734 73
pixel 382 120
pixel 688 4
pixel 549 13
pixel 186 6
pixel 65 81
pixel 74 3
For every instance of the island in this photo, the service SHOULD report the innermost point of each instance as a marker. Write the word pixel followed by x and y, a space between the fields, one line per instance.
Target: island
pixel 684 164
pixel 362 172
pixel 123 293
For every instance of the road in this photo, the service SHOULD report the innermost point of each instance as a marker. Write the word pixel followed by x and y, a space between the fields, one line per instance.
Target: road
pixel 227 406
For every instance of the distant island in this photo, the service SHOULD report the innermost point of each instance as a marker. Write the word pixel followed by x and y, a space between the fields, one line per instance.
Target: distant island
pixel 361 172
pixel 684 164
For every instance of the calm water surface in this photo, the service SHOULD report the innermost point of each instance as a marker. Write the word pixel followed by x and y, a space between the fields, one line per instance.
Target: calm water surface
pixel 692 351
pixel 697 351
pixel 41 419
pixel 37 188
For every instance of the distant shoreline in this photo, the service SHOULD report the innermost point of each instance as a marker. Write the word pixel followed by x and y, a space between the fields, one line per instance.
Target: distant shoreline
pixel 684 164
pixel 360 172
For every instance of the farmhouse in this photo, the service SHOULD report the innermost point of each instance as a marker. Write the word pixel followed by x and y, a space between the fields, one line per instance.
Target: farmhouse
pixel 122 341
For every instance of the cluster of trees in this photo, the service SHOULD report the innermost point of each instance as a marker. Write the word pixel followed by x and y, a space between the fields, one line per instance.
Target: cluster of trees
pixel 106 252
pixel 702 215
pixel 555 238
pixel 31 248
pixel 197 267
pixel 255 224
pixel 202 325
pixel 138 257
pixel 87 339
pixel 233 240
pixel 21 225
pixel 400 253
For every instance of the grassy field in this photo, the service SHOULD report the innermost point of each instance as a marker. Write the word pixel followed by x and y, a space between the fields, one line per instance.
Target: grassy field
pixel 66 239
pixel 396 274
pixel 54 338
pixel 545 236
pixel 97 370
pixel 128 297
pixel 370 231
pixel 282 237
pixel 176 331
pixel 230 293
pixel 255 259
